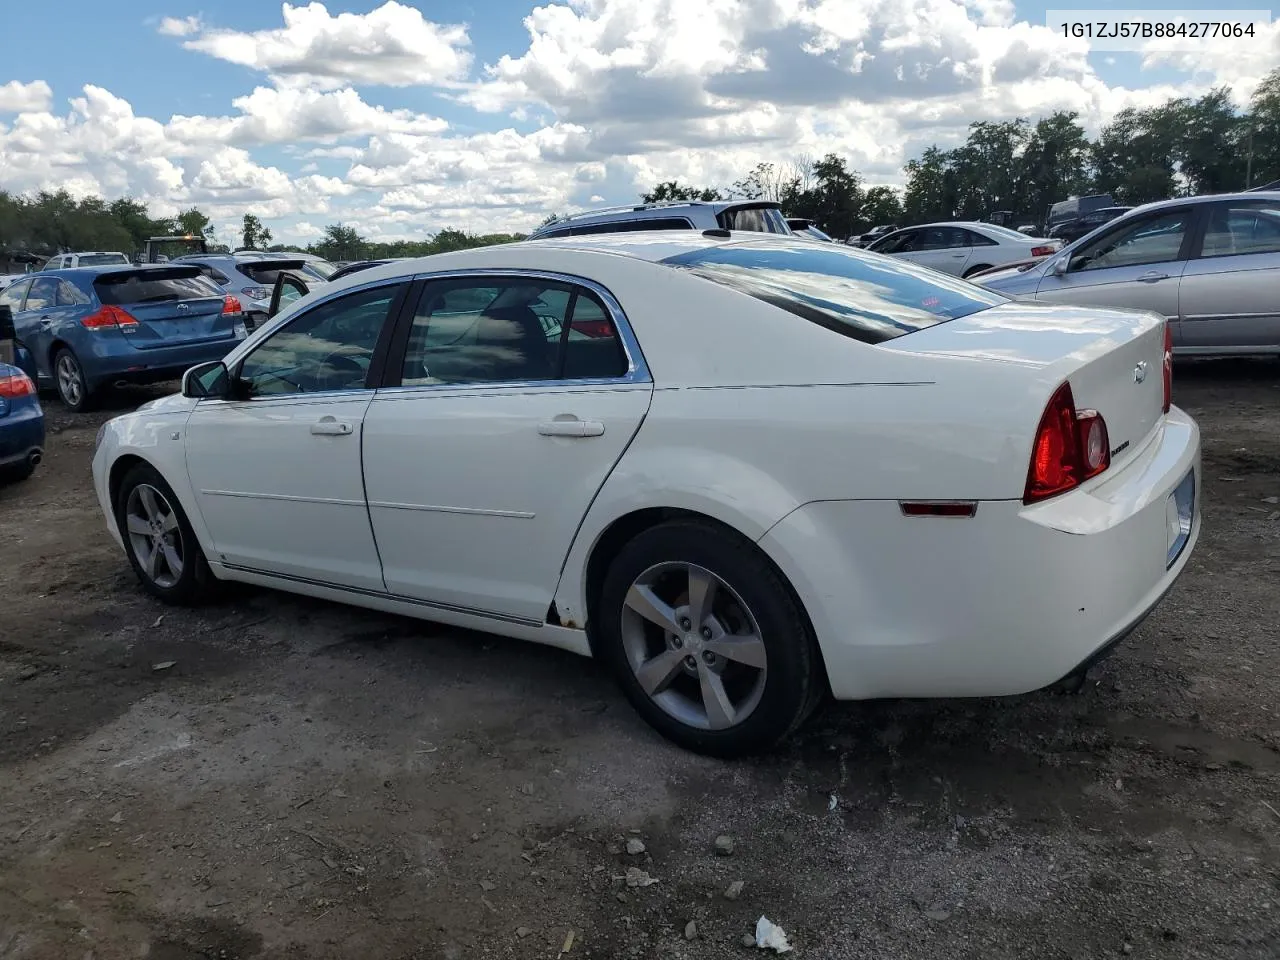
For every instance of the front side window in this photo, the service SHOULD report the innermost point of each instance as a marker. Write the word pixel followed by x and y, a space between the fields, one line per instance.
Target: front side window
pixel 902 242
pixel 329 347
pixel 1155 239
pixel 509 329
pixel 12 295
pixel 1242 227
pixel 867 298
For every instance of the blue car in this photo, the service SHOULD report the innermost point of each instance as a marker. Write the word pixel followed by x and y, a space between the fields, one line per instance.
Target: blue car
pixel 91 327
pixel 21 425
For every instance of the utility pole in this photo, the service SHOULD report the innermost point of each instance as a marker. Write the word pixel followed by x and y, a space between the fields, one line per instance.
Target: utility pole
pixel 1248 169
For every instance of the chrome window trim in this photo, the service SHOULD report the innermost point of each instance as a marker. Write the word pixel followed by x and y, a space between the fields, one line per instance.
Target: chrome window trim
pixel 637 369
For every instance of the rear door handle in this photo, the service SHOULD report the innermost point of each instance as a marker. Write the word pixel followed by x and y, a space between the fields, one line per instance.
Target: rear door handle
pixel 571 427
pixel 1151 276
pixel 329 427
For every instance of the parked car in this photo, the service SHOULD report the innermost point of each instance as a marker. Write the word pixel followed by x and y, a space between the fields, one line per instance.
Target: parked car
pixel 963 248
pixel 872 235
pixel 21 425
pixel 1074 208
pixel 807 228
pixel 312 265
pixel 1069 231
pixel 759 216
pixel 95 326
pixel 356 266
pixel 68 261
pixel 249 277
pixel 1211 265
pixel 438 439
pixel 7 279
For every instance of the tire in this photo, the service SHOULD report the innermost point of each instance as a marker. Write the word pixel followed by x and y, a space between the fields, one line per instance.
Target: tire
pixel 178 573
pixel 69 379
pixel 668 563
pixel 972 270
pixel 16 473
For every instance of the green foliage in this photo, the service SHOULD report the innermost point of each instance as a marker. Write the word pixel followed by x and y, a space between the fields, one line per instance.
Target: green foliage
pixel 253 235
pixel 345 243
pixel 672 190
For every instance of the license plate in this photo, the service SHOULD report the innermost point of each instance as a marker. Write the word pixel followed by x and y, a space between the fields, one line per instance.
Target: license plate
pixel 1179 513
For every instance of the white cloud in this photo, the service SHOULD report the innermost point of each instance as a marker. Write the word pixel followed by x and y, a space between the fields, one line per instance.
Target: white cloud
pixel 392 45
pixel 1240 63
pixel 180 26
pixel 19 97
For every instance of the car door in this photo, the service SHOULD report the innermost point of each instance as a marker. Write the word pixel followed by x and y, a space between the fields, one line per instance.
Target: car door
pixel 35 324
pixel 942 248
pixel 11 298
pixel 514 396
pixel 1136 264
pixel 1230 292
pixel 276 469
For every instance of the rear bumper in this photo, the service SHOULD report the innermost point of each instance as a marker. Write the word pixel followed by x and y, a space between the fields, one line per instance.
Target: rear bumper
pixel 1008 601
pixel 108 360
pixel 21 434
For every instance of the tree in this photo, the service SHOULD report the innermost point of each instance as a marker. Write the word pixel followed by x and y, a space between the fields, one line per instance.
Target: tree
pixel 1262 132
pixel 195 223
pixel 674 190
pixel 253 234
pixel 881 205
pixel 927 194
pixel 1054 164
pixel 1133 157
pixel 341 243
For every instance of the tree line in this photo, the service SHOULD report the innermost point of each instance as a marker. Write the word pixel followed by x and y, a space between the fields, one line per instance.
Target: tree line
pixel 1185 146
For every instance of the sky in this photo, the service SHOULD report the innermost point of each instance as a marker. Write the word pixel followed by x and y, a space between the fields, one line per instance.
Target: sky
pixel 401 118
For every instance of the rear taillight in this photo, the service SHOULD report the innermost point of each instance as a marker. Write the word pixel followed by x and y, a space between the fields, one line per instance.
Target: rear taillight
pixel 108 316
pixel 1168 366
pixel 231 305
pixel 1042 251
pixel 1069 448
pixel 17 386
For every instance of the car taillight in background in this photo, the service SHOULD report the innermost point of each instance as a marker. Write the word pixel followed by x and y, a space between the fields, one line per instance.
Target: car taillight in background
pixel 110 316
pixel 1044 250
pixel 231 305
pixel 1168 366
pixel 256 293
pixel 16 386
pixel 1070 447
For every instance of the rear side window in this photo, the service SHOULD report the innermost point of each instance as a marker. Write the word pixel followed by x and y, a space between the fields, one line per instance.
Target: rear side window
pixel 857 295
pixel 1242 226
pixel 632 226
pixel 126 288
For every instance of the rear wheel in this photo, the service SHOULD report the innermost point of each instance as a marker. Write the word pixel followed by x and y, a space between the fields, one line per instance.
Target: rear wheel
pixel 73 387
pixel 17 472
pixel 707 640
pixel 158 539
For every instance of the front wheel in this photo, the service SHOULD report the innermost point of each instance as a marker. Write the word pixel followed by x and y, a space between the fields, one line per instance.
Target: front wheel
pixel 158 539
pixel 73 387
pixel 707 641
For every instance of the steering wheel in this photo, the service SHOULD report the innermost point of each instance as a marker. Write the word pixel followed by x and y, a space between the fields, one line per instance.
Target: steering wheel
pixel 337 364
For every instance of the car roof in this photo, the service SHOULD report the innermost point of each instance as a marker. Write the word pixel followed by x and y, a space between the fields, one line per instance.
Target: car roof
pixel 1253 195
pixel 655 209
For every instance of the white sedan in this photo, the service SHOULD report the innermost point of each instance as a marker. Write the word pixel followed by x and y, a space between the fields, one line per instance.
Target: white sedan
pixel 964 248
pixel 742 471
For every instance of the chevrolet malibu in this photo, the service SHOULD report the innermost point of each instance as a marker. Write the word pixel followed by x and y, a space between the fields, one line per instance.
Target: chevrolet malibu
pixel 744 472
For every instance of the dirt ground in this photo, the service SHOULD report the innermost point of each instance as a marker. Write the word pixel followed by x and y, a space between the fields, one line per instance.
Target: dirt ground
pixel 312 781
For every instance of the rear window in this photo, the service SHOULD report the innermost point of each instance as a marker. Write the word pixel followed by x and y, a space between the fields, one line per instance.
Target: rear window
pixel 267 271
pixel 857 295
pixel 126 288
pixel 101 259
pixel 758 219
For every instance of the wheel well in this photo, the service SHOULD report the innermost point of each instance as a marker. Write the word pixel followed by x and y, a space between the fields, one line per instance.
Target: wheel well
pixel 116 476
pixel 631 525
pixel 53 352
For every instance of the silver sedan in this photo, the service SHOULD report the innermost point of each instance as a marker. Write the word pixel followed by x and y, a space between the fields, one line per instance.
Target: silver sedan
pixel 963 248
pixel 1211 265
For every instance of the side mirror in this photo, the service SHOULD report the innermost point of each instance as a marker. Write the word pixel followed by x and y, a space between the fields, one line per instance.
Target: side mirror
pixel 1059 266
pixel 209 380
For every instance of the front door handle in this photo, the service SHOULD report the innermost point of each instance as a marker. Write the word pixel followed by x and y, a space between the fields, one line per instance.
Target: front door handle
pixel 957 256
pixel 329 427
pixel 1151 276
pixel 571 427
pixel 46 320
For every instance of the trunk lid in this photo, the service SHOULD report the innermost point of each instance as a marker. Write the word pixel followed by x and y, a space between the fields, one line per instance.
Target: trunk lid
pixel 1113 359
pixel 173 306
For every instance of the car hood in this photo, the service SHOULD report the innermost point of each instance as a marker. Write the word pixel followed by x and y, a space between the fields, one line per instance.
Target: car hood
pixel 173 403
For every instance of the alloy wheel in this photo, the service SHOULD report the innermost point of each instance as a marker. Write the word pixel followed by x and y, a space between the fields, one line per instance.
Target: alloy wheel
pixel 694 646
pixel 155 536
pixel 70 380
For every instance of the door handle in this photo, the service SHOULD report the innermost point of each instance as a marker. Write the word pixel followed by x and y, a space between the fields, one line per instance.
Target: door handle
pixel 1151 276
pixel 46 320
pixel 329 427
pixel 957 256
pixel 571 427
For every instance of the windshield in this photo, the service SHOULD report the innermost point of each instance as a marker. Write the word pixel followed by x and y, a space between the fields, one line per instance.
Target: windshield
pixel 865 297
pixel 758 219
